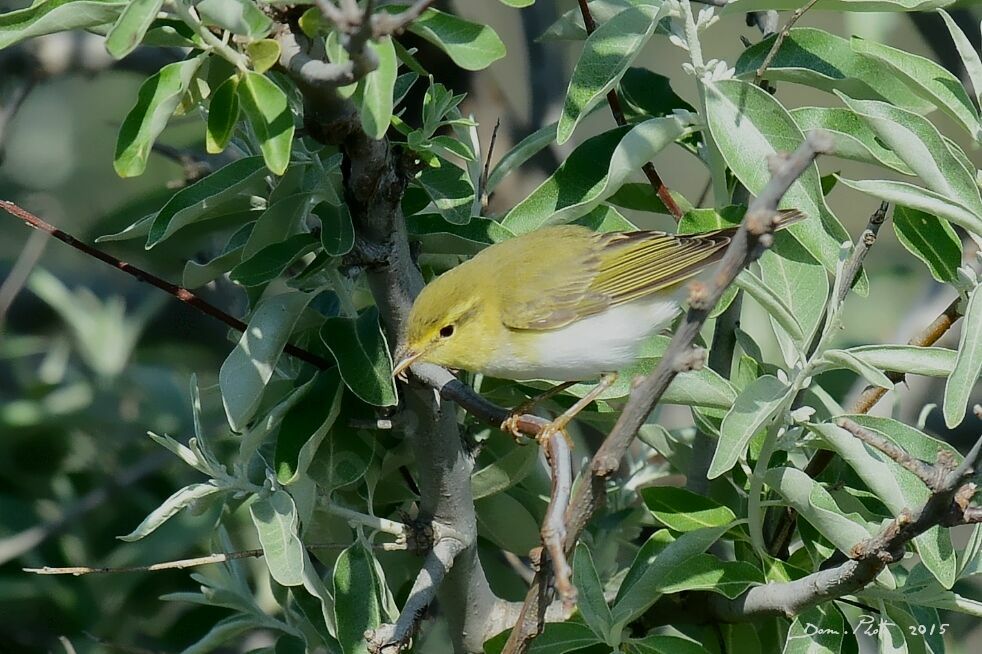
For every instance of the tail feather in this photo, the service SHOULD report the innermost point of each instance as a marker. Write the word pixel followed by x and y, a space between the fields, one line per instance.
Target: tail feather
pixel 788 217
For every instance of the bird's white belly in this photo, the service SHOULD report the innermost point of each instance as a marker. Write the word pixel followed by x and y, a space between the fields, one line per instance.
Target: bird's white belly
pixel 583 350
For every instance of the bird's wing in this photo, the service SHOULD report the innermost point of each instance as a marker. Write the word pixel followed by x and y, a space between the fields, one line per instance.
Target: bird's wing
pixel 576 273
pixel 636 264
pixel 550 284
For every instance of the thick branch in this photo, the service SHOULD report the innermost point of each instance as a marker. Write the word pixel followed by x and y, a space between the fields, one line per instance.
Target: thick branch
pixel 663 192
pixel 753 236
pixel 181 293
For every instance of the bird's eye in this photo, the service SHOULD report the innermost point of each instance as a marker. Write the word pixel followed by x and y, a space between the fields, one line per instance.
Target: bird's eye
pixel 446 331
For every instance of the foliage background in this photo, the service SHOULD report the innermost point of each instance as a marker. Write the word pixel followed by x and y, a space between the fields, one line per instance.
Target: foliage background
pixel 77 469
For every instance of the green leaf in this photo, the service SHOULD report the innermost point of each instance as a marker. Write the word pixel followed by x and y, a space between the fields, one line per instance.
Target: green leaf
pixel 606 56
pixel 170 507
pixel 845 359
pixel 506 523
pixel 852 138
pixel 469 45
pixel 909 359
pixel 926 79
pixel 263 54
pixel 753 410
pixel 556 638
pixel 902 193
pixel 524 150
pixel 706 572
pixel 590 597
pixel 968 363
pixel 375 91
pixel 970 56
pixel 683 510
pixel 197 201
pixel 569 26
pixel 651 569
pixel 440 237
pixel 271 261
pixel 356 607
pixel 504 472
pixel 305 425
pixel 650 94
pixel 283 218
pixel 898 489
pixel 240 17
pixel 337 231
pixel 770 301
pixel 223 114
pixel 249 367
pixel 224 630
pixel 342 459
pixel 921 146
pixel 132 24
pixel 661 644
pixel 749 126
pixel 275 518
pixel 56 16
pixel 268 110
pixel 198 274
pixel 362 354
pixel 158 98
pixel 450 188
pixel 814 57
pixel 931 239
pixel 579 184
pixel 814 504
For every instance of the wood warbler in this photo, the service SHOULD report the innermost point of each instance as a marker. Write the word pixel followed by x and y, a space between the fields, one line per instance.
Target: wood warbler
pixel 561 303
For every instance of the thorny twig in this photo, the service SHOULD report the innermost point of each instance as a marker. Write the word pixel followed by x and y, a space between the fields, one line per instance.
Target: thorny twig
pixel 485 195
pixel 181 293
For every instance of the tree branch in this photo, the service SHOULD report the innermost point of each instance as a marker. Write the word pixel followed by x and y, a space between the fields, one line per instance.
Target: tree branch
pixel 779 40
pixel 750 240
pixel 663 192
pixel 947 506
pixel 181 293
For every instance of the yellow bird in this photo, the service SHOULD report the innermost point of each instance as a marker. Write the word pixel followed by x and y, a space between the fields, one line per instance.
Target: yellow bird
pixel 562 303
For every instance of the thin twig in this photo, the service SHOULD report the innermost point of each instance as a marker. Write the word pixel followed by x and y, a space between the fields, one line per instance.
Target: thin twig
pixel 179 564
pixel 19 273
pixel 924 471
pixel 485 196
pixel 749 242
pixel 779 40
pixel 663 192
pixel 181 293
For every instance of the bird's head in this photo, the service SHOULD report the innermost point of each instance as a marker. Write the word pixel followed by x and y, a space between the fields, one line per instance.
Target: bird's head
pixel 446 325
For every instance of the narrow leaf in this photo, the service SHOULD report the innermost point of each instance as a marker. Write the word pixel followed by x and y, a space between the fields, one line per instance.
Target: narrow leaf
pixel 909 195
pixel 132 24
pixel 970 56
pixel 266 106
pixel 590 598
pixel 683 510
pixel 156 102
pixel 170 507
pixel 771 302
pixel 606 56
pixel 910 359
pixel 845 359
pixel 275 518
pixel 305 425
pixel 968 363
pixel 375 91
pixel 931 239
pixel 754 408
pixel 223 114
pixel 249 367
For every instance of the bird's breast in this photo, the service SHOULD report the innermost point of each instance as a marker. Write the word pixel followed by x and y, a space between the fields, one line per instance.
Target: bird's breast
pixel 584 349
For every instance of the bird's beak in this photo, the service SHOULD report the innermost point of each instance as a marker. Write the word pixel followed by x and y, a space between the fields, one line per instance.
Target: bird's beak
pixel 406 358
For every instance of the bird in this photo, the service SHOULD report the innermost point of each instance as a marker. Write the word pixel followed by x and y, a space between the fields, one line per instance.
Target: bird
pixel 562 303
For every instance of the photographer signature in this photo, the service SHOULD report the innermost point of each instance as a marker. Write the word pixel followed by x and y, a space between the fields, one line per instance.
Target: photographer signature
pixel 869 625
